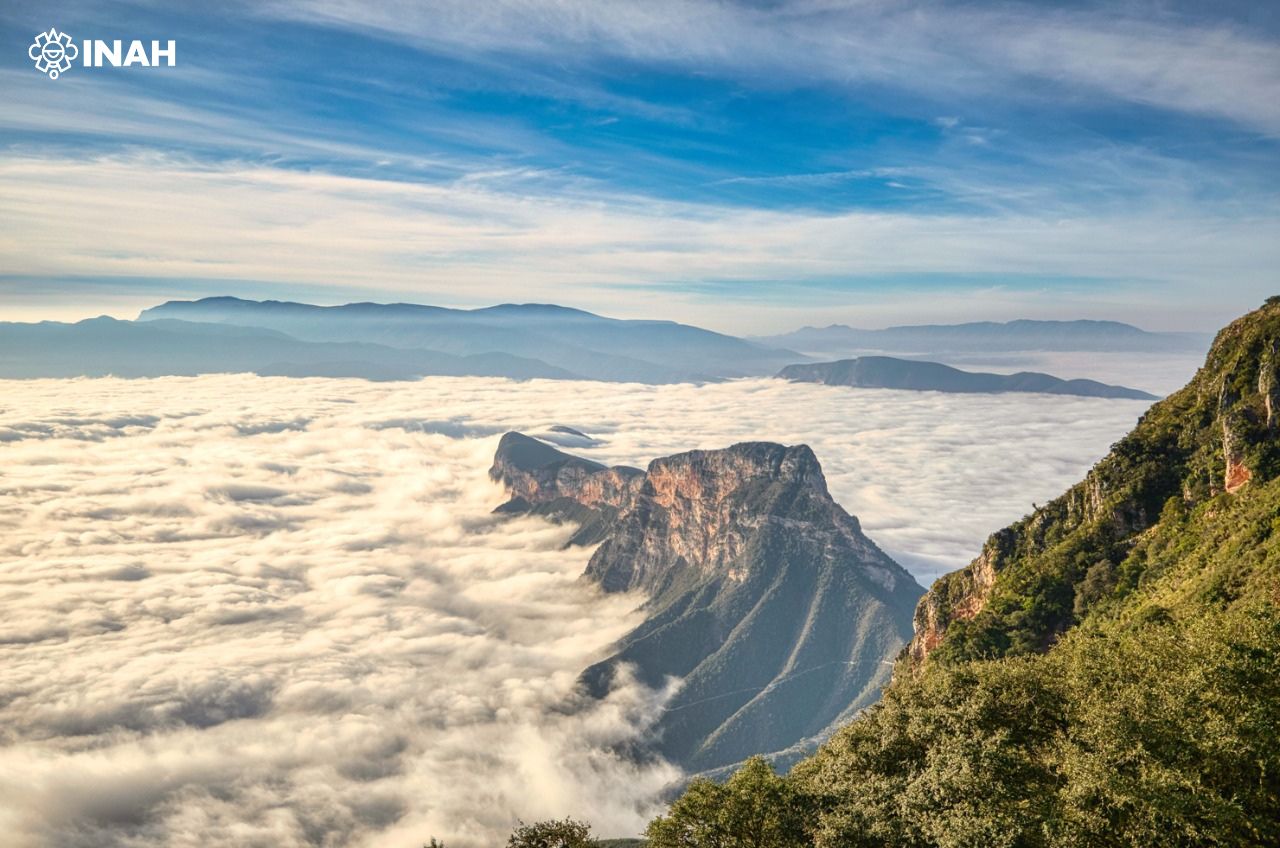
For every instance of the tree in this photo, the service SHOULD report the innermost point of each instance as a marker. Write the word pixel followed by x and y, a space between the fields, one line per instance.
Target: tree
pixel 1099 582
pixel 755 809
pixel 553 834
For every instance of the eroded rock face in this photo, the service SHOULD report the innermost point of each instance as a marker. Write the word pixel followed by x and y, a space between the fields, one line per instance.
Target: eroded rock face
pixel 545 481
pixel 763 595
pixel 958 596
pixel 697 511
pixel 1269 382
pixel 538 473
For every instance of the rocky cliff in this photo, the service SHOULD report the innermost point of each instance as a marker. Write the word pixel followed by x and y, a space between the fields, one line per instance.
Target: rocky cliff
pixel 1213 439
pixel 545 481
pixel 764 596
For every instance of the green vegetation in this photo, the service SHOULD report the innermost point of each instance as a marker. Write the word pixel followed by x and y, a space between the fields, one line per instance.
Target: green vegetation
pixel 553 834
pixel 754 808
pixel 1092 546
pixel 1152 733
pixel 1108 672
pixel 1160 733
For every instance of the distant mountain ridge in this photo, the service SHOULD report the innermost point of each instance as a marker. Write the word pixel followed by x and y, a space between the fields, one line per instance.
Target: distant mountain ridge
pixel 520 341
pixel 764 596
pixel 988 337
pixel 577 342
pixel 99 347
pixel 886 372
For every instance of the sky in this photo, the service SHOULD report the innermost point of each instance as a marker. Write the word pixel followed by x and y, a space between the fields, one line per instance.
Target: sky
pixel 245 611
pixel 751 167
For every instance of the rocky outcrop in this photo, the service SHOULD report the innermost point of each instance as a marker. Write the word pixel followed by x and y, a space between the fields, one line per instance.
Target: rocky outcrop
pixel 960 598
pixel 1215 436
pixel 545 481
pixel 1269 382
pixel 764 598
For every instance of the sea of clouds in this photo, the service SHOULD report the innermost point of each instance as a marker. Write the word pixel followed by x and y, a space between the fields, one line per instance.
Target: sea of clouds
pixel 242 611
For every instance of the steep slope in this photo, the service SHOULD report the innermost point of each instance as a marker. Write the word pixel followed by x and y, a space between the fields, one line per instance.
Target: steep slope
pixel 101 346
pixel 764 596
pixel 1106 673
pixel 586 344
pixel 1190 453
pixel 886 372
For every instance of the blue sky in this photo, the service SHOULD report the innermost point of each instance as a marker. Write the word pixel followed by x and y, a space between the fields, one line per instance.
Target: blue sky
pixel 750 167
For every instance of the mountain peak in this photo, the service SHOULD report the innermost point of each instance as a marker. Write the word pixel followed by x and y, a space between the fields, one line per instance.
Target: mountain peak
pixel 543 310
pixel 751 471
pixel 763 595
pixel 560 339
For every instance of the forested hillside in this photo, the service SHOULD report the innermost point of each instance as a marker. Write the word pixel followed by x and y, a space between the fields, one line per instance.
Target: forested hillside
pixel 1107 672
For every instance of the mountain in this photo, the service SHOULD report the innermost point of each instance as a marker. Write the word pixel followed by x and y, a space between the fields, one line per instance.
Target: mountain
pixel 885 372
pixel 1105 673
pixel 1210 448
pixel 988 337
pixel 104 346
pixel 580 342
pixel 763 596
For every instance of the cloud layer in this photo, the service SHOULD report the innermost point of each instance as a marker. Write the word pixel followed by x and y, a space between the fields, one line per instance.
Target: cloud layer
pixel 247 611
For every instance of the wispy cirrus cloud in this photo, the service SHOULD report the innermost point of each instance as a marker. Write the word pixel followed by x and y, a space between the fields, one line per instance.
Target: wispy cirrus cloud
pixel 1140 55
pixel 148 215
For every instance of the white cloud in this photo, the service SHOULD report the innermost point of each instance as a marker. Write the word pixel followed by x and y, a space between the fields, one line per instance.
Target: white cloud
pixel 153 216
pixel 939 49
pixel 246 611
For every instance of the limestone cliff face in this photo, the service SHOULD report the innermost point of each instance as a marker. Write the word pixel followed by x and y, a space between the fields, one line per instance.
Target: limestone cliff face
pixel 959 596
pixel 1214 436
pixel 695 513
pixel 545 481
pixel 765 599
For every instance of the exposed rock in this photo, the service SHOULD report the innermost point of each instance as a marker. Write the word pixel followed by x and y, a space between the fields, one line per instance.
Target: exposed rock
pixel 548 482
pixel 764 597
pixel 1269 382
pixel 965 596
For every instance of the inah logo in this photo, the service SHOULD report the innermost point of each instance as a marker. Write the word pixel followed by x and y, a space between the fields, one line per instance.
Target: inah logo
pixel 52 52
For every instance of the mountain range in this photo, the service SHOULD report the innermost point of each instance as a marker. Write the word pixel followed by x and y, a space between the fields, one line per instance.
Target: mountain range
pixel 104 346
pixel 763 597
pixel 886 372
pixel 986 337
pixel 580 343
pixel 519 341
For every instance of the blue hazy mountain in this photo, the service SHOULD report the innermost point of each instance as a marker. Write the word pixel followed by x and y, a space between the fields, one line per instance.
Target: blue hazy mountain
pixel 989 337
pixel 580 342
pixel 101 346
pixel 886 372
